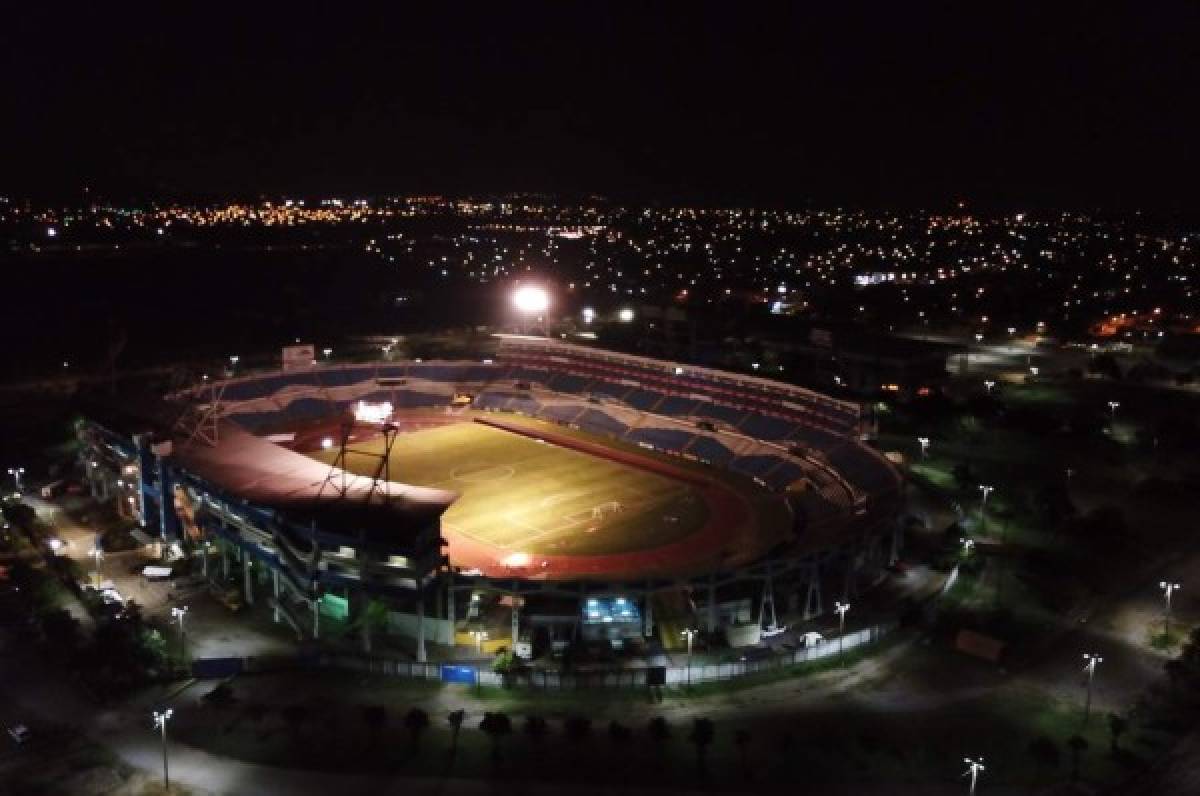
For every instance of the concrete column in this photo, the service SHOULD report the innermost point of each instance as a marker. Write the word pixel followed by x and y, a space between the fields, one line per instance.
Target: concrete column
pixel 897 544
pixel 224 558
pixel 420 625
pixel 275 592
pixel 451 608
pixel 248 579
pixel 316 612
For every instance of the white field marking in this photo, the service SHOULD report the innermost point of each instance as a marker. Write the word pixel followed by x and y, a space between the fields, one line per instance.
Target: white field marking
pixel 584 517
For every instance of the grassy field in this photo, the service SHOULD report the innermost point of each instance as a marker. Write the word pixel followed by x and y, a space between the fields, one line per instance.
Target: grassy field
pixel 528 496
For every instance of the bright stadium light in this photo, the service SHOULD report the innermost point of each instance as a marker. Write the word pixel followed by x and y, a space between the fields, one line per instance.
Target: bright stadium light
pixel 531 299
pixel 376 414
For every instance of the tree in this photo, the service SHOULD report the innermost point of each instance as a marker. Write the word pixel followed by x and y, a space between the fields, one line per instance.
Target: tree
pixel 963 476
pixel 659 729
pixel 535 727
pixel 417 721
pixel 375 717
pixel 496 725
pixel 1044 752
pixel 1078 745
pixel 701 737
pixel 618 733
pixel 742 739
pixel 455 719
pixel 577 728
pixel 295 715
pixel 1117 725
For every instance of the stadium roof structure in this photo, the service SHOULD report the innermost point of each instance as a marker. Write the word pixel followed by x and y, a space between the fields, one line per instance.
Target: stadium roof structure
pixel 298 487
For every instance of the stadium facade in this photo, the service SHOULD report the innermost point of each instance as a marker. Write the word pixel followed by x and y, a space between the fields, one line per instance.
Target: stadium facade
pixel 203 471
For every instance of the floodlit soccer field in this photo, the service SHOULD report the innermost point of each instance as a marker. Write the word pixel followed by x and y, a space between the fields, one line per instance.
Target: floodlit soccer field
pixel 527 496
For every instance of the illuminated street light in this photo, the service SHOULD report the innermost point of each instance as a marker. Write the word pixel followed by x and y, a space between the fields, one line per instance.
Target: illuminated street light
pixel 1112 408
pixel 973 769
pixel 989 384
pixel 689 633
pixel 326 443
pixel 179 612
pixel 1093 660
pixel 1168 588
pixel 841 609
pixel 986 490
pixel 16 473
pixel 924 446
pixel 625 315
pixel 967 544
pixel 589 315
pixel 1033 370
pixel 328 352
pixel 160 723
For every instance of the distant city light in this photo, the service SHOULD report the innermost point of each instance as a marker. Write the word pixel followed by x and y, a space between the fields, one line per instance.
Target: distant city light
pixel 625 315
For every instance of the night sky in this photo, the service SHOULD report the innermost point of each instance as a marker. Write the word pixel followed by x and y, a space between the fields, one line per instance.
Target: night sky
pixel 883 105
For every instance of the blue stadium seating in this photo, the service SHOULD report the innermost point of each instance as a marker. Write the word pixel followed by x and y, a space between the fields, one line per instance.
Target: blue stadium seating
pixel 766 427
pixel 712 450
pixel 307 409
pixel 665 438
pixel 721 412
pixel 784 475
pixel 609 390
pixel 569 383
pixel 641 398
pixel 600 422
pixel 411 399
pixel 675 406
pixel 342 377
pixel 563 413
pixel 755 464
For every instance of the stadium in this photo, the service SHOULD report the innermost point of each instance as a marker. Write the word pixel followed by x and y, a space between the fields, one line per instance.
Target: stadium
pixel 598 494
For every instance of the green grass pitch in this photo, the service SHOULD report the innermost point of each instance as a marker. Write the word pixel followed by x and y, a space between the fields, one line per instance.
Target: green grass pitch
pixel 524 495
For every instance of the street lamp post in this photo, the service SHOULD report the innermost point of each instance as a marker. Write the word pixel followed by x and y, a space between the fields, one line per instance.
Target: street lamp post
pixel 16 473
pixel 179 612
pixel 1092 661
pixel 160 723
pixel 1112 408
pixel 986 490
pixel 1168 588
pixel 973 769
pixel 531 302
pixel 97 554
pixel 989 384
pixel 967 544
pixel 689 634
pixel 841 609
pixel 924 446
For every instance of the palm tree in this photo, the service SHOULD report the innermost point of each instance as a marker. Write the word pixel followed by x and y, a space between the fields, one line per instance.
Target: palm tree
pixel 496 725
pixel 742 739
pixel 1078 746
pixel 701 736
pixel 417 721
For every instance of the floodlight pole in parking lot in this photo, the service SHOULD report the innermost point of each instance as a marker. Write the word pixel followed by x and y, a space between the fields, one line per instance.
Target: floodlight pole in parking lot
pixel 689 634
pixel 160 723
pixel 1168 588
pixel 179 612
pixel 1092 660
pixel 841 609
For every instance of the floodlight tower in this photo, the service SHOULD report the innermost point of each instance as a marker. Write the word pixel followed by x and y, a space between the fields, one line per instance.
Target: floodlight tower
pixel 689 634
pixel 531 302
pixel 973 769
pixel 841 608
pixel 986 490
pixel 1092 660
pixel 160 723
